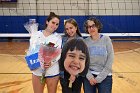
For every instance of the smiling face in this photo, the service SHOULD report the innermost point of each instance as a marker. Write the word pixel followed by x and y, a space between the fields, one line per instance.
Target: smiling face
pixel 74 62
pixel 92 29
pixel 70 29
pixel 53 24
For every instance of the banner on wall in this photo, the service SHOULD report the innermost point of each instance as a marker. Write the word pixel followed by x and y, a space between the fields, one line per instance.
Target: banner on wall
pixel 8 0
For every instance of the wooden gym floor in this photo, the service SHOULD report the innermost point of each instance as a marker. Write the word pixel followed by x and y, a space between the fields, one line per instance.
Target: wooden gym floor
pixel 15 77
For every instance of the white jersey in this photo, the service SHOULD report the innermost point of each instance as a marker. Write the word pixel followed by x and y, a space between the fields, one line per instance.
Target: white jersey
pixel 35 43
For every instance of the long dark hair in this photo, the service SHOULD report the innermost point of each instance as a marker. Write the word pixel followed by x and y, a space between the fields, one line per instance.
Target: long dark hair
pixel 73 22
pixel 79 44
pixel 50 17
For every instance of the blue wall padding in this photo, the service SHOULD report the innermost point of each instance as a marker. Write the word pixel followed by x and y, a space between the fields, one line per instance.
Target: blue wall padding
pixel 111 24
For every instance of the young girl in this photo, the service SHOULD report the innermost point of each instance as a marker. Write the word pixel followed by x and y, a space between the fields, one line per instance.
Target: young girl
pixel 52 72
pixel 73 64
pixel 71 30
pixel 99 76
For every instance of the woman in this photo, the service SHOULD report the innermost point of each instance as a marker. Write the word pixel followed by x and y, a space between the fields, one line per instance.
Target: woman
pixel 52 72
pixel 74 64
pixel 99 76
pixel 71 30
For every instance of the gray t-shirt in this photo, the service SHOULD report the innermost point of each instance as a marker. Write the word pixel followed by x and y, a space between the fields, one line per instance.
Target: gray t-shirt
pixel 101 57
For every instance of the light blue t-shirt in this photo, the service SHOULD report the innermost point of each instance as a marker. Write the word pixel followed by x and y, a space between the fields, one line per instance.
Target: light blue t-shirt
pixel 101 57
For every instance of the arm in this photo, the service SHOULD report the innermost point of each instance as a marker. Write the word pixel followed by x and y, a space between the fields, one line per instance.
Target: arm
pixel 89 75
pixel 91 78
pixel 108 66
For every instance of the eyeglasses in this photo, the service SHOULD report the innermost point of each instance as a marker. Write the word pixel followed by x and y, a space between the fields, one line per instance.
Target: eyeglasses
pixel 92 26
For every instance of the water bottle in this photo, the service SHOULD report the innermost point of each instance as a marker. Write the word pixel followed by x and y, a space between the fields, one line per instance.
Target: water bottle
pixel 32 21
pixel 33 25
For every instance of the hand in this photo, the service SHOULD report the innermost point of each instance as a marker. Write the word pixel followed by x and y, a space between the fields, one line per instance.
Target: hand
pixel 45 65
pixel 26 50
pixel 92 81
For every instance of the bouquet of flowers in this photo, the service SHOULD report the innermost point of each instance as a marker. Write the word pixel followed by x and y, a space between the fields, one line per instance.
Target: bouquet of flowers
pixel 47 54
